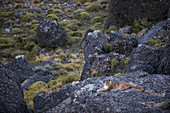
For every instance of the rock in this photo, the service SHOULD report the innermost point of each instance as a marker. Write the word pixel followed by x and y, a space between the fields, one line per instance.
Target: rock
pixel 126 29
pixel 103 65
pixel 50 62
pixel 50 34
pixel 120 11
pixel 11 95
pixel 140 65
pixel 21 67
pixel 142 32
pixel 43 75
pixel 124 46
pixel 158 29
pixel 115 36
pixel 92 43
pixel 156 57
pixel 83 96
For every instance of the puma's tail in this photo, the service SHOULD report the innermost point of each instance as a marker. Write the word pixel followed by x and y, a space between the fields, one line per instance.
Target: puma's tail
pixel 140 88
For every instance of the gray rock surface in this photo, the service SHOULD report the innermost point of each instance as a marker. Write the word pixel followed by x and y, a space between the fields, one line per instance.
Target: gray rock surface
pixel 158 29
pixel 43 75
pixel 156 57
pixel 11 95
pixel 92 43
pixel 21 67
pixel 82 96
pixel 121 11
pixel 50 34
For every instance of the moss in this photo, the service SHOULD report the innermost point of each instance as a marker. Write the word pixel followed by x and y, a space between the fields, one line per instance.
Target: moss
pixel 166 105
pixel 96 19
pixel 6 42
pixel 78 11
pixel 29 45
pixel 82 1
pixel 72 26
pixel 38 68
pixel 114 28
pixel 94 7
pixel 16 31
pixel 68 78
pixel 28 17
pixel 47 66
pixel 71 40
pixel 114 63
pixel 52 17
pixel 34 22
pixel 28 25
pixel 32 32
pixel 85 15
pixel 9 22
pixel 98 26
pixel 117 74
pixel 106 48
pixel 58 11
pixel 34 26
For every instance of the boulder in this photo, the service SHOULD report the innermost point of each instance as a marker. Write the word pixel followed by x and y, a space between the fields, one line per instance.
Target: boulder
pixel 156 57
pixel 103 65
pixel 83 96
pixel 93 43
pixel 121 11
pixel 43 75
pixel 123 46
pixel 159 30
pixel 21 67
pixel 50 34
pixel 11 95
pixel 115 36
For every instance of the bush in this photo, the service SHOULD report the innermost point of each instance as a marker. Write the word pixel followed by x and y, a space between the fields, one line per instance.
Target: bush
pixel 16 31
pixel 85 15
pixel 52 17
pixel 78 11
pixel 72 26
pixel 96 19
pixel 58 11
pixel 94 7
pixel 98 26
pixel 28 17
pixel 114 28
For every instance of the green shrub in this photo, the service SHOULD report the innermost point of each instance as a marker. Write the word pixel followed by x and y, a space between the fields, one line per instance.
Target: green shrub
pixel 28 17
pixel 72 26
pixel 114 28
pixel 29 45
pixel 85 15
pixel 38 68
pixel 52 17
pixel 71 40
pixel 106 48
pixel 9 22
pixel 58 11
pixel 96 19
pixel 34 22
pixel 28 25
pixel 94 7
pixel 114 63
pixel 98 26
pixel 78 11
pixel 16 31
pixel 34 26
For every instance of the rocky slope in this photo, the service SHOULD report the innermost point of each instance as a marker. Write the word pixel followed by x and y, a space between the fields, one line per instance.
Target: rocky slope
pixel 82 96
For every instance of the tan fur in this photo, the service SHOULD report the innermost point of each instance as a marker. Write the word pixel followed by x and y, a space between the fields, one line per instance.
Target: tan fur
pixel 119 85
